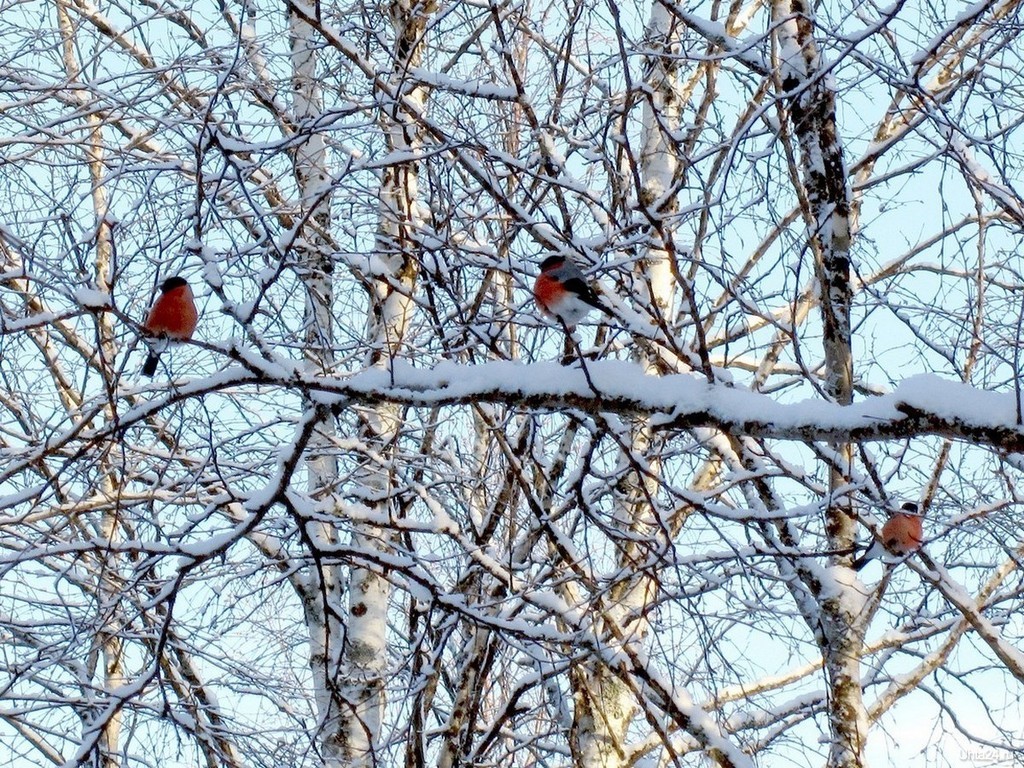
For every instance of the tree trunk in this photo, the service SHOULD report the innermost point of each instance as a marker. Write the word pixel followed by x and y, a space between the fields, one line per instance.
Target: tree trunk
pixel 319 589
pixel 825 198
pixel 604 704
pixel 109 647
pixel 364 664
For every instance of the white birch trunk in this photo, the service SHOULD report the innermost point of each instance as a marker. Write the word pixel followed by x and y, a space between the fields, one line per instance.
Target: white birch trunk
pixel 659 160
pixel 108 573
pixel 604 704
pixel 364 665
pixel 827 207
pixel 313 252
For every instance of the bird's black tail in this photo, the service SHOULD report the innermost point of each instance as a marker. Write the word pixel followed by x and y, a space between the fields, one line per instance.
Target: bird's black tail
pixel 596 303
pixel 151 362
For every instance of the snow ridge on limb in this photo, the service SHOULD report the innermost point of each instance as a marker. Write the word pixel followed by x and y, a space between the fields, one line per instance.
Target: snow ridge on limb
pixel 921 405
pixel 971 608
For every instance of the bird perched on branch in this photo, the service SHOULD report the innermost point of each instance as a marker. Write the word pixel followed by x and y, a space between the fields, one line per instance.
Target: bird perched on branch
pixel 562 292
pixel 902 534
pixel 172 318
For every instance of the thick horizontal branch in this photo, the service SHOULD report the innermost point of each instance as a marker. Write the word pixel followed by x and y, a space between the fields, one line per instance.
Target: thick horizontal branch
pixel 921 405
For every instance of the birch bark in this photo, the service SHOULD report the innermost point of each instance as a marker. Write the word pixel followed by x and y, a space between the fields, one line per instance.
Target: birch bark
pixel 108 647
pixel 364 664
pixel 826 203
pixel 319 588
pixel 604 704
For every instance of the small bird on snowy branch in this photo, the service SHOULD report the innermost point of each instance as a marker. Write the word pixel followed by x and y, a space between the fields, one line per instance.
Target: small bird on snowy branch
pixel 902 534
pixel 173 317
pixel 562 292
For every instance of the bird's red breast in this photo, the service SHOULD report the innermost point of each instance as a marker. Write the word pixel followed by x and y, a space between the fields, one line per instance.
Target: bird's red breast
pixel 173 315
pixel 548 293
pixel 903 533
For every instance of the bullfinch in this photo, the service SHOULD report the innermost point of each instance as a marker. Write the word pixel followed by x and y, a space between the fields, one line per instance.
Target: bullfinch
pixel 901 535
pixel 172 317
pixel 562 292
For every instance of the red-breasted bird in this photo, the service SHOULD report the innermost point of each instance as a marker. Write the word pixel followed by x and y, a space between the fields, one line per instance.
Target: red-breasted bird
pixel 902 534
pixel 562 291
pixel 173 317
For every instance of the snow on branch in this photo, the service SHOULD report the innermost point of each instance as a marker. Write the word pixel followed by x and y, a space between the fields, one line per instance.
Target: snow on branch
pixel 970 607
pixel 718 34
pixel 924 404
pixel 921 405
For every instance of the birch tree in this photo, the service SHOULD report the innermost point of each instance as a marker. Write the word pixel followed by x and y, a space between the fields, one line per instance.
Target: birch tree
pixel 824 197
pixel 101 728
